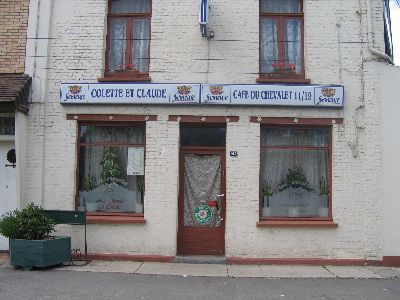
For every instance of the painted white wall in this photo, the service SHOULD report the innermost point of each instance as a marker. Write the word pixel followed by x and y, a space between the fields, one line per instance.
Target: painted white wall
pixel 179 54
pixel 21 124
pixel 8 187
pixel 391 160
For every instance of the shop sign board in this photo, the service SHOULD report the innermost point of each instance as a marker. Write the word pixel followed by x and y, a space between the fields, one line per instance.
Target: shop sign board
pixel 144 93
pixel 204 94
pixel 280 95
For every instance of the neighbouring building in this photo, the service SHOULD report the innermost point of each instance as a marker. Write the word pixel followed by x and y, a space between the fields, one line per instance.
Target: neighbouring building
pixel 254 130
pixel 14 96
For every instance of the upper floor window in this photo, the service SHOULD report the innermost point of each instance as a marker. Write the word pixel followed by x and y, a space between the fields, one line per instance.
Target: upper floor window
pixel 128 38
pixel 281 40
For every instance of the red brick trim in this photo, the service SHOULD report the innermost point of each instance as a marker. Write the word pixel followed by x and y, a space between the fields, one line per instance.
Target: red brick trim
pixel 297 223
pixel 111 118
pixel 295 121
pixel 203 119
pixel 391 261
pixel 302 261
pixel 94 219
pixel 128 257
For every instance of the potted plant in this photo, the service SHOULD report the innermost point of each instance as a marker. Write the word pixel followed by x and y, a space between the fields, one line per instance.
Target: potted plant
pixel 323 192
pixel 295 181
pixel 280 69
pixel 31 245
pixel 139 194
pixel 267 193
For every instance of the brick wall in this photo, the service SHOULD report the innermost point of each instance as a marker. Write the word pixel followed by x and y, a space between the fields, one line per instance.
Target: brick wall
pixel 335 53
pixel 13 26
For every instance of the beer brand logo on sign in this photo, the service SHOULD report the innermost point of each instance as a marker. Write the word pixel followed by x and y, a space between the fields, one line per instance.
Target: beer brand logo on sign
pixel 328 96
pixel 203 214
pixel 328 92
pixel 184 89
pixel 216 89
pixel 75 89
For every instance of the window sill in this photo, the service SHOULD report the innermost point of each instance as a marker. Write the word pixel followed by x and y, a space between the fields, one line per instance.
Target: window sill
pixel 297 223
pixel 117 219
pixel 282 80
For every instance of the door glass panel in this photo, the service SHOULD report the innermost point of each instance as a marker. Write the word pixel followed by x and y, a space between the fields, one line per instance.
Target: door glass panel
pixel 202 182
pixel 203 136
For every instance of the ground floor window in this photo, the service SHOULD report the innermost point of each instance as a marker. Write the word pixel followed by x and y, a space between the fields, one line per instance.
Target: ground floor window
pixel 7 125
pixel 295 172
pixel 111 168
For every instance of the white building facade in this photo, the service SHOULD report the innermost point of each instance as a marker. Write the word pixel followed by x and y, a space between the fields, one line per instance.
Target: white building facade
pixel 141 119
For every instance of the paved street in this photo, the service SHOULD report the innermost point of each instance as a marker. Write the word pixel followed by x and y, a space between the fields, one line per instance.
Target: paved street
pixel 138 280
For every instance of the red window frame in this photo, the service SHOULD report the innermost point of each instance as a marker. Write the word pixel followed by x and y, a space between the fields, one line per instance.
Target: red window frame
pixel 309 221
pixel 282 76
pixel 126 75
pixel 107 217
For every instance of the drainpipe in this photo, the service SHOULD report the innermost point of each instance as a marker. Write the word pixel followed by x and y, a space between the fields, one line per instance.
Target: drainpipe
pixel 370 40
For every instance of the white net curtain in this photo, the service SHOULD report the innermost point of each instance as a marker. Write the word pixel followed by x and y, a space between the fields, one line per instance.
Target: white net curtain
pixel 289 40
pixel 139 40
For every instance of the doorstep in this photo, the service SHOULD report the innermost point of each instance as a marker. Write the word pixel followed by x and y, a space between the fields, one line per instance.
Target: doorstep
pixel 200 259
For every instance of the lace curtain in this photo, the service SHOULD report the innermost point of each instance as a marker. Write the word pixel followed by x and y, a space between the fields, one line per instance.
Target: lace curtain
pixel 117 43
pixel 202 183
pixel 140 44
pixel 269 44
pixel 293 43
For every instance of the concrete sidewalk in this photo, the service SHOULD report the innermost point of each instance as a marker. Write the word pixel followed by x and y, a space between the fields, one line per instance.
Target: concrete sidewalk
pixel 234 271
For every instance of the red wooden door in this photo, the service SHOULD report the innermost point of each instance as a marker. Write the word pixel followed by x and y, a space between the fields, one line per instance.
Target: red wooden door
pixel 201 221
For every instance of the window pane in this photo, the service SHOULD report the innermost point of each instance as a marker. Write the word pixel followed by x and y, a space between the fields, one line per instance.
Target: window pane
pixel 117 44
pixel 7 126
pixel 210 137
pixel 140 44
pixel 269 44
pixel 293 43
pixel 130 6
pixel 104 183
pixel 318 137
pixel 295 183
pixel 281 6
pixel 118 134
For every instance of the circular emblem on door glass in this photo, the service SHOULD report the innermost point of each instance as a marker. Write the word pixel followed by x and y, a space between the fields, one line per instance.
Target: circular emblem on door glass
pixel 203 214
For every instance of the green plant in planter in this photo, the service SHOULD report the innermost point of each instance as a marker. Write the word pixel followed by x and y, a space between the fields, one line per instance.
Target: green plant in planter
pixel 323 187
pixel 295 179
pixel 267 192
pixel 323 192
pixel 30 242
pixel 31 223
